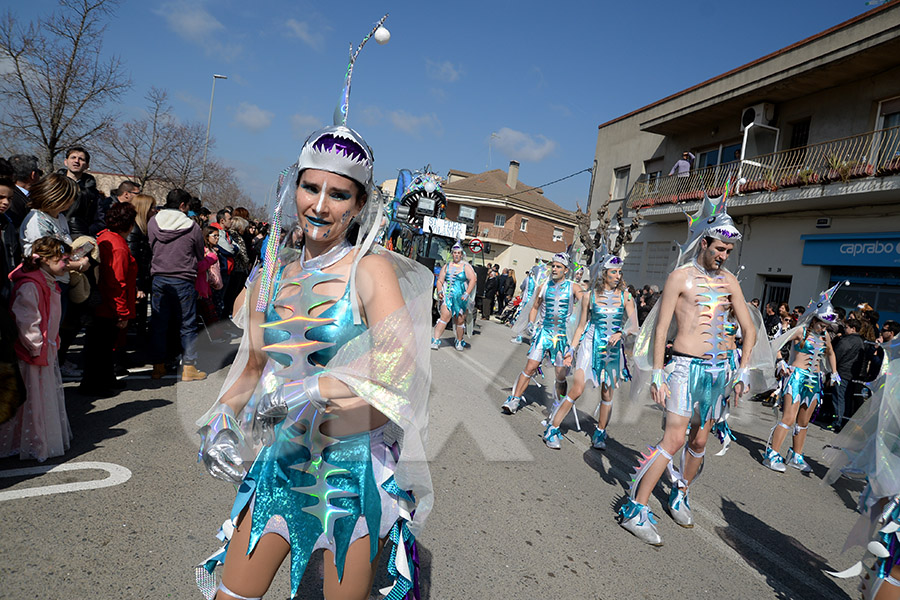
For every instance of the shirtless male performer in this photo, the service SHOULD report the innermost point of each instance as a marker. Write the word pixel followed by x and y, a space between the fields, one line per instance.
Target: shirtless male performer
pixel 554 304
pixel 698 294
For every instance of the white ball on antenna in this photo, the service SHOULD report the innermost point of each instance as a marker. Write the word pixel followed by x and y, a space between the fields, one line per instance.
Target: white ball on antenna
pixel 382 35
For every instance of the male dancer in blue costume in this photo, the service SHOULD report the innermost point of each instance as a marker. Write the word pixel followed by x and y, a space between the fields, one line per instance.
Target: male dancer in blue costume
pixel 455 285
pixel 698 296
pixel 555 304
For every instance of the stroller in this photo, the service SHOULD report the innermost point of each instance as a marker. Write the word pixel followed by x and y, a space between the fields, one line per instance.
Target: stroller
pixel 509 311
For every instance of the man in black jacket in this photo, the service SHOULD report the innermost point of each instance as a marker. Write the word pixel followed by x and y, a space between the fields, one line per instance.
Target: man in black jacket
pixel 501 290
pixel 849 355
pixel 84 216
pixel 491 287
pixel 26 173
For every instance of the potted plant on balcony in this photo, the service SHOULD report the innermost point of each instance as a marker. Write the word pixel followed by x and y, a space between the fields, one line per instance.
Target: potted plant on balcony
pixel 803 177
pixel 838 168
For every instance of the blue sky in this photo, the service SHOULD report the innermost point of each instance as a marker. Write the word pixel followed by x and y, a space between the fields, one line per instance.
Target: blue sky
pixel 541 75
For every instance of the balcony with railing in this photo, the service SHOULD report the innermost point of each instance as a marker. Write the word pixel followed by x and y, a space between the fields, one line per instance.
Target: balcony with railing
pixel 875 154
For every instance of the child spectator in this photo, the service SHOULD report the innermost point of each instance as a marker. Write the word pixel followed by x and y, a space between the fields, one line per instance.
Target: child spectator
pixel 117 286
pixel 209 277
pixel 40 428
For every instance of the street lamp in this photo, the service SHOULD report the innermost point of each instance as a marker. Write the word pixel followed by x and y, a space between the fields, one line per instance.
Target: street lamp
pixel 208 121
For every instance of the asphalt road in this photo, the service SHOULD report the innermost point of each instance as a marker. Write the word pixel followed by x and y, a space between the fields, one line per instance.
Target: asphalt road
pixel 512 519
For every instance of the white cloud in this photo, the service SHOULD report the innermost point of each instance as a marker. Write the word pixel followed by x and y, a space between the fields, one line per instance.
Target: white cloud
pixel 190 20
pixel 444 71
pixel 415 124
pixel 312 36
pixel 522 146
pixel 252 117
pixel 302 125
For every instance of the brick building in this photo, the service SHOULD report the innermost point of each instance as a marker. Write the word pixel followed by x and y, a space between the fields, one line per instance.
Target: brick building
pixel 517 221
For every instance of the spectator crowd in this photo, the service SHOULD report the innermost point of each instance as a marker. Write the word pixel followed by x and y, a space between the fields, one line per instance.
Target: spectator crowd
pixel 109 270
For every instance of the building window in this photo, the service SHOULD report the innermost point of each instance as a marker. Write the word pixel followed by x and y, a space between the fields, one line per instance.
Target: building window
pixel 499 220
pixel 557 234
pixel 621 183
pixel 709 158
pixel 800 134
pixel 523 226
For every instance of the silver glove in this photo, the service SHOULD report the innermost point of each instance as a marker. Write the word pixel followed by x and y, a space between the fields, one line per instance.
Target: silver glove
pixel 273 408
pixel 220 442
pixel 223 459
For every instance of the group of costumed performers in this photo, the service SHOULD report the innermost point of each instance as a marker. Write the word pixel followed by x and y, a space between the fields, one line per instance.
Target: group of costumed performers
pixel 869 446
pixel 552 311
pixel 521 323
pixel 703 371
pixel 801 379
pixel 327 398
pixel 455 284
pixel 606 317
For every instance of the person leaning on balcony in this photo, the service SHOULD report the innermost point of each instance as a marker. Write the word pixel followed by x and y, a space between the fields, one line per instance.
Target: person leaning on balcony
pixel 682 167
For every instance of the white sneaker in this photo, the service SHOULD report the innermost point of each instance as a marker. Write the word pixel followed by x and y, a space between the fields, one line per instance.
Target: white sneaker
pixel 460 346
pixel 798 462
pixel 511 405
pixel 638 519
pixel 679 507
pixel 435 344
pixel 552 437
pixel 774 461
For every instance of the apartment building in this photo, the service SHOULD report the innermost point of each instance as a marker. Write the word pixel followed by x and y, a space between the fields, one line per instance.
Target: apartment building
pixel 516 221
pixel 808 136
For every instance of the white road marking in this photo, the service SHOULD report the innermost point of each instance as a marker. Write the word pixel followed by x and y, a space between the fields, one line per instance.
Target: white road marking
pixel 711 538
pixel 117 474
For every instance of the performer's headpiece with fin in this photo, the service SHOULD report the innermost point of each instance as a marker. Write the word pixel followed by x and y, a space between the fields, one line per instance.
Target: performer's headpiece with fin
pixel 337 149
pixel 710 220
pixel 821 307
pixel 562 257
pixel 603 260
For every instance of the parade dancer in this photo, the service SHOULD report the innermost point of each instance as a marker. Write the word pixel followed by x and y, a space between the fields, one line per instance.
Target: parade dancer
pixel 455 284
pixel 697 294
pixel 331 385
pixel 600 356
pixel 801 386
pixel 521 322
pixel 555 304
pixel 867 446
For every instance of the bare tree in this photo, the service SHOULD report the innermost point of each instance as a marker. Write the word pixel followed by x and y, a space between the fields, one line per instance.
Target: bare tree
pixel 145 148
pixel 59 88
pixel 221 187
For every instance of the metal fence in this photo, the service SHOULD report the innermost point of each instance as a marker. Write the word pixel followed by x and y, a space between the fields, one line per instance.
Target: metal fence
pixel 876 153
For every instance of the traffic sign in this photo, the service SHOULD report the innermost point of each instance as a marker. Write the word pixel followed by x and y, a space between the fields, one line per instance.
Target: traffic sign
pixel 476 246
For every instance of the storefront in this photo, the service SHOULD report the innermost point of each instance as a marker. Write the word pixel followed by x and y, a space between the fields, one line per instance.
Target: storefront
pixel 869 261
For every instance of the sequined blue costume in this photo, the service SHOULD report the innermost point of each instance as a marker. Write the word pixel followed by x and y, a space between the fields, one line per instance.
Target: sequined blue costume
pixel 551 337
pixel 313 490
pixel 602 363
pixel 804 384
pixel 455 285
